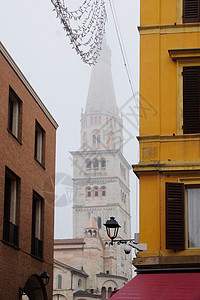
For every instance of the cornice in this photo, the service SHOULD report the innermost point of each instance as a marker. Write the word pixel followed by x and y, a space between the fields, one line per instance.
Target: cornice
pixel 94 180
pixel 111 276
pixel 167 167
pixel 88 153
pixel 169 138
pixel 169 28
pixel 20 75
pixel 178 54
pixel 102 207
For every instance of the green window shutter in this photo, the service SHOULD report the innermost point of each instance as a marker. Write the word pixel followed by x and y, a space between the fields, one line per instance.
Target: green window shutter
pixel 175 229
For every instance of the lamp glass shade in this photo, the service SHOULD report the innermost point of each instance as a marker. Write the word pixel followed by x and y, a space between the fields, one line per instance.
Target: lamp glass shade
pixel 112 228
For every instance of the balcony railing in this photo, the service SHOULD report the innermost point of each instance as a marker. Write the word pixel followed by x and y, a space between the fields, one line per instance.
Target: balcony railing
pixel 37 247
pixel 11 233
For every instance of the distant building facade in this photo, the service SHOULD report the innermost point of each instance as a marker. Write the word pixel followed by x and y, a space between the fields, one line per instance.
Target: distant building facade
pixel 101 190
pixel 27 163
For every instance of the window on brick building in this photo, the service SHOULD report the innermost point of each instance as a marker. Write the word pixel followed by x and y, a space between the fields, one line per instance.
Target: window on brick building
pixel 37 226
pixel 191 11
pixel 14 121
pixel 39 143
pixel 10 228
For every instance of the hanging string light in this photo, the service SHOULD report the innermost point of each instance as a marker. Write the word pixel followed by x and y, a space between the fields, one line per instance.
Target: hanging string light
pixel 85 27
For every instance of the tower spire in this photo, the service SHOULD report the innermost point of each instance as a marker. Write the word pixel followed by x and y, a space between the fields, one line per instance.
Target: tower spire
pixel 101 95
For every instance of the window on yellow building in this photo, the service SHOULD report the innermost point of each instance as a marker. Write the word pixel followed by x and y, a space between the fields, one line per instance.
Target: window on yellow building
pixel 191 96
pixel 188 92
pixel 182 229
pixel 193 218
pixel 191 11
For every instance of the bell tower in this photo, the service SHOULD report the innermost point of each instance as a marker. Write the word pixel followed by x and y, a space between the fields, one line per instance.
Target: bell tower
pixel 100 171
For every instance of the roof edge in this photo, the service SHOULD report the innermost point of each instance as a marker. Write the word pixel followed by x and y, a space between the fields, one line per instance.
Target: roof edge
pixel 23 79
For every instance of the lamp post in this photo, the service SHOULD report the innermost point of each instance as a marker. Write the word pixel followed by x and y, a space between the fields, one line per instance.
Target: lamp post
pixel 112 228
pixel 45 278
pixel 31 286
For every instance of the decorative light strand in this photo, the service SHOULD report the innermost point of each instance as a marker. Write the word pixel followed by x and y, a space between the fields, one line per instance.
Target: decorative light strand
pixel 85 27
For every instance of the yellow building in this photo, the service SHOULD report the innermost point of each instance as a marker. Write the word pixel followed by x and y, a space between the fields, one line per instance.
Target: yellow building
pixel 169 166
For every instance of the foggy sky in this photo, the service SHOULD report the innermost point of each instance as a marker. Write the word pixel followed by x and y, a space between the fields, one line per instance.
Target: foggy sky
pixel 36 41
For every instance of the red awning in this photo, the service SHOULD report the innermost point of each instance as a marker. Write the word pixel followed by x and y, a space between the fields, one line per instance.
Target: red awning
pixel 168 286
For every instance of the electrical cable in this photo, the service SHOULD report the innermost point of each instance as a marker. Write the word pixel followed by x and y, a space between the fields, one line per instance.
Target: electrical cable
pixel 122 48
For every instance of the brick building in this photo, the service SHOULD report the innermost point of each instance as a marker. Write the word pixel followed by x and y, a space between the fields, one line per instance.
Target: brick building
pixel 27 164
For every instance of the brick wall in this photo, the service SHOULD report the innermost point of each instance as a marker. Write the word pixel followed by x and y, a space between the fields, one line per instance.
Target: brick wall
pixel 17 265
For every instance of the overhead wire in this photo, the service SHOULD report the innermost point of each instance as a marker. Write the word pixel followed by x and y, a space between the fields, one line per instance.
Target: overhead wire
pixel 126 64
pixel 122 48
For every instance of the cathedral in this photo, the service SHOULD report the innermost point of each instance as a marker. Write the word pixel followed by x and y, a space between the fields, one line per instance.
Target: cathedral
pixel 88 266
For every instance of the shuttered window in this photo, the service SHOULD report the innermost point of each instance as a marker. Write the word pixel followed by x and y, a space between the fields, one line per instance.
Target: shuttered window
pixel 191 11
pixel 175 235
pixel 191 99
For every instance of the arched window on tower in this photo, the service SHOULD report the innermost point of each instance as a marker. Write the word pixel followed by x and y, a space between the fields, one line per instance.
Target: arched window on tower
pixel 96 140
pixel 59 282
pixel 103 163
pixel 88 164
pixel 103 191
pixel 99 222
pixel 88 192
pixel 96 191
pixel 110 141
pixel 96 164
pixel 84 141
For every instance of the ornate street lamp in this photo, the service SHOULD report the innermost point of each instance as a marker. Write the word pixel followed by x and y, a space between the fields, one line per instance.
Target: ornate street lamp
pixel 112 228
